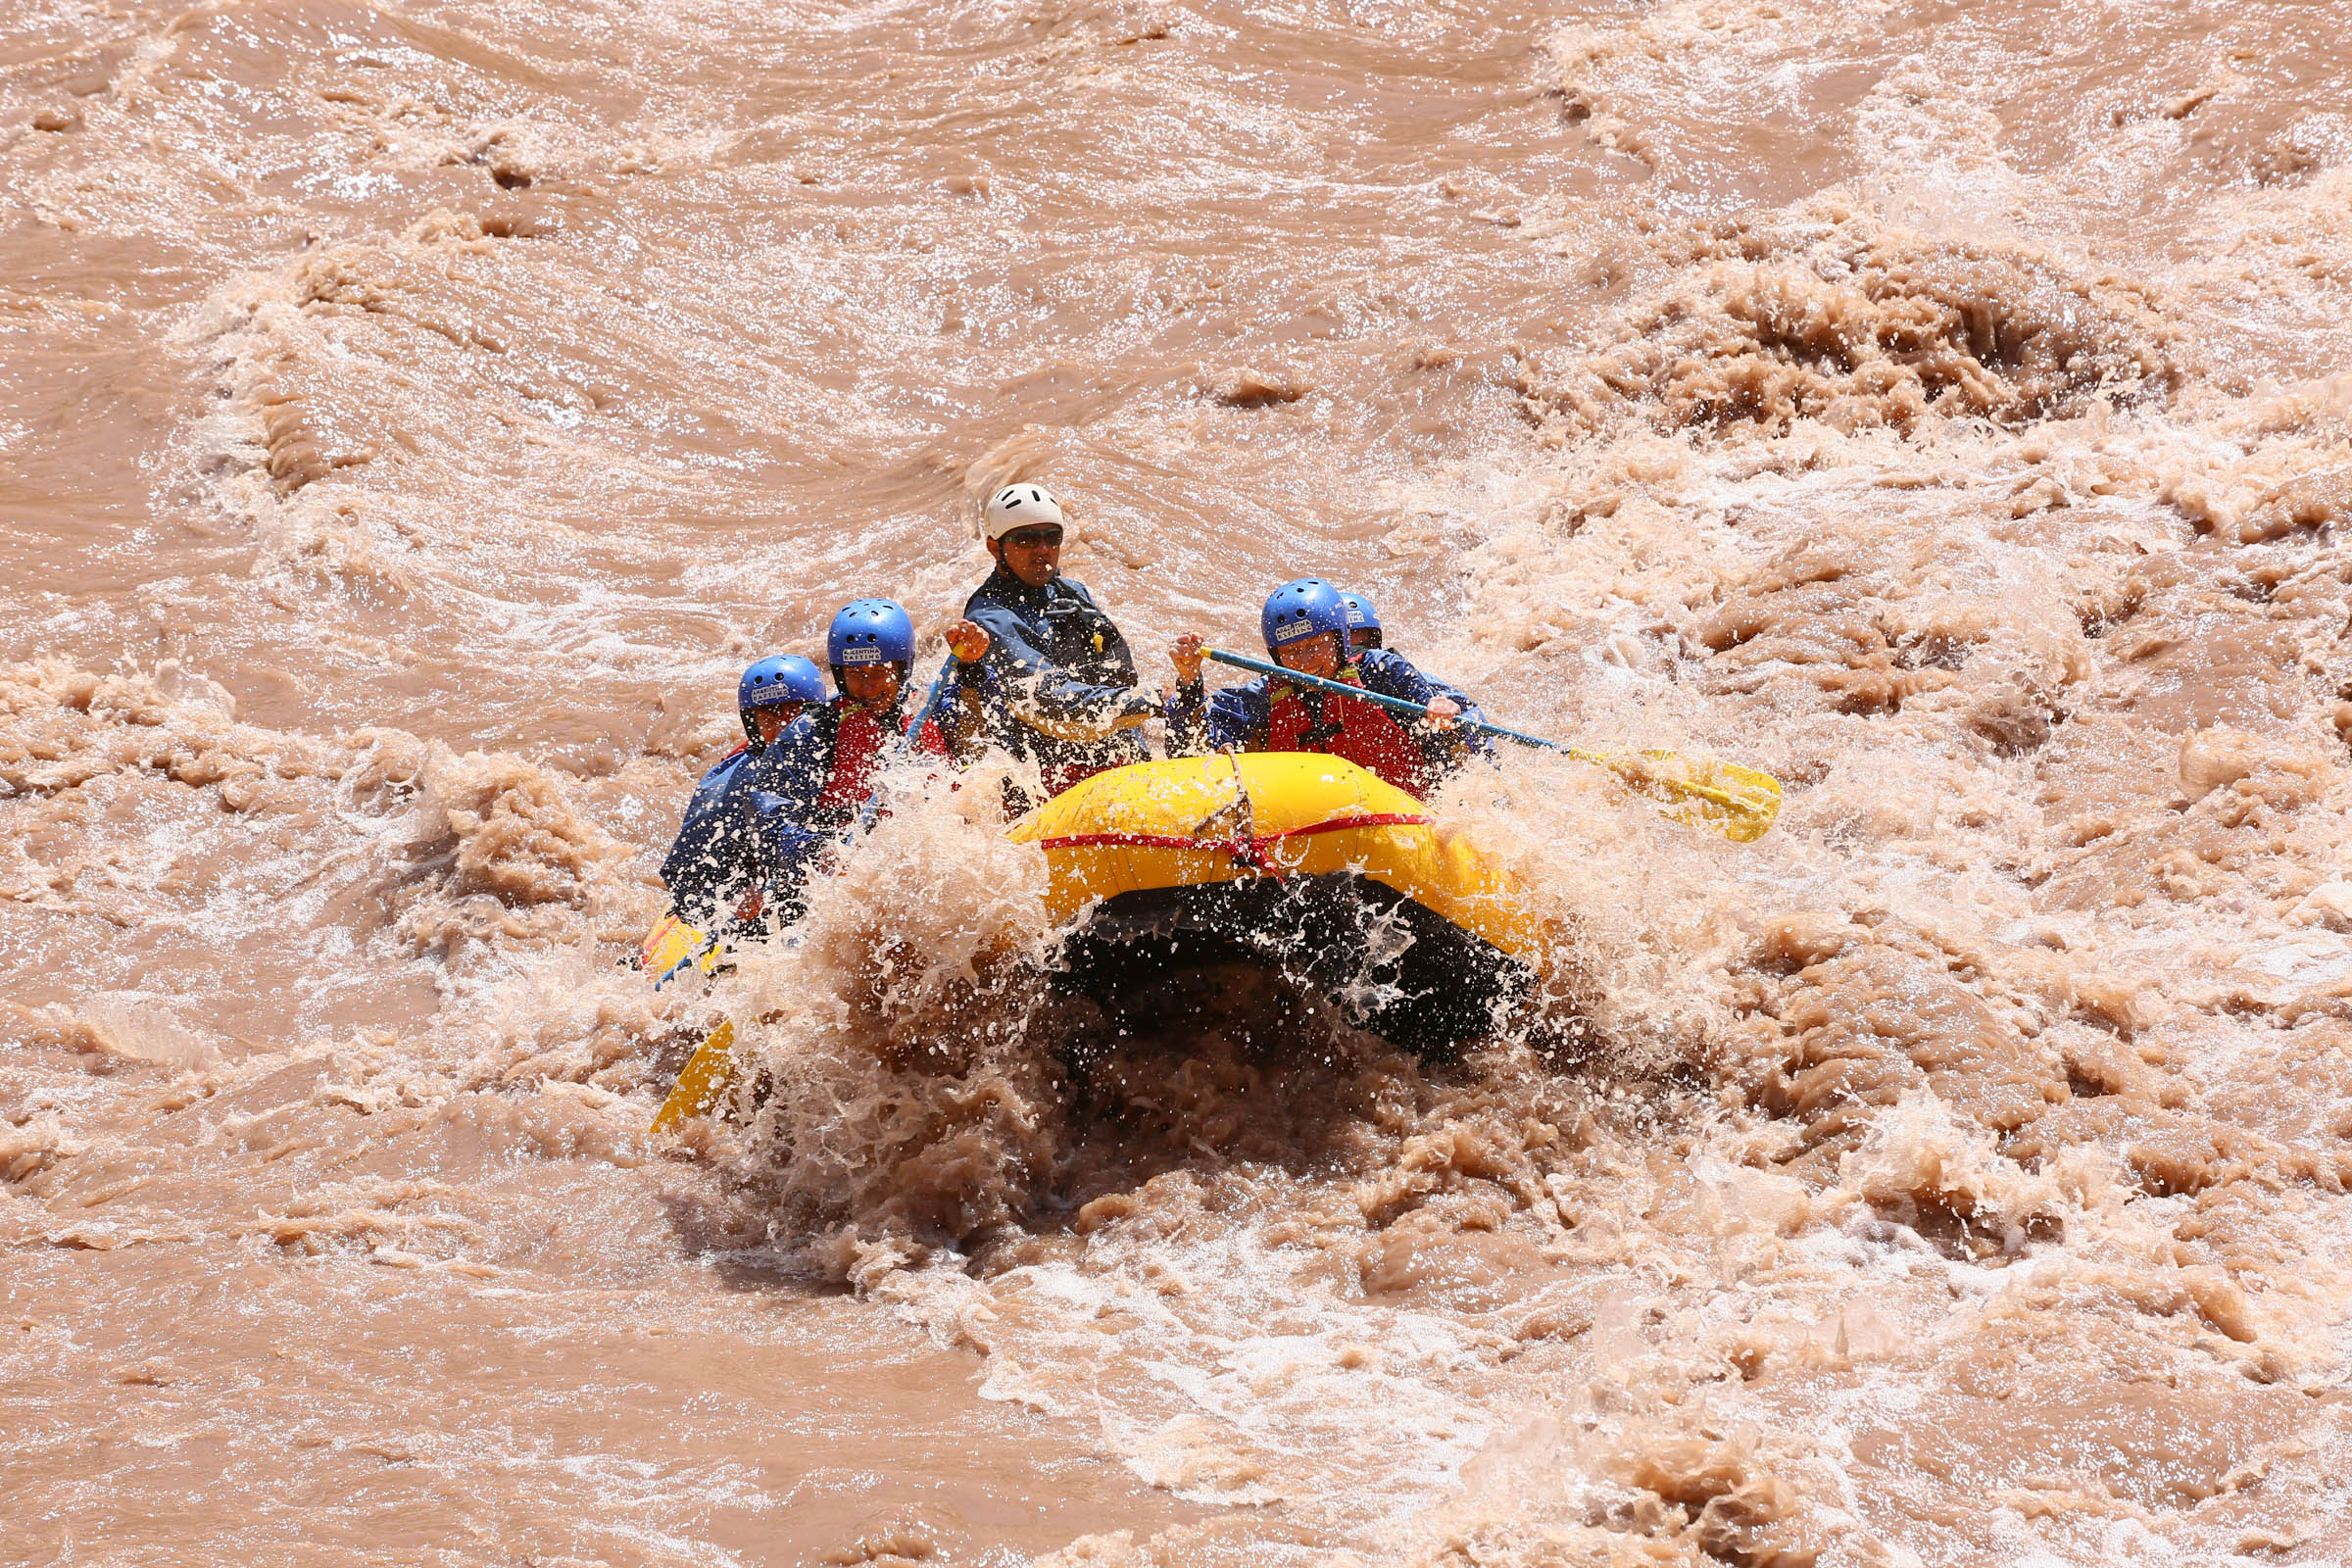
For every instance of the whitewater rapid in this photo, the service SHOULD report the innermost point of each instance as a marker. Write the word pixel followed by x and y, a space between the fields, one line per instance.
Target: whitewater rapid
pixel 414 414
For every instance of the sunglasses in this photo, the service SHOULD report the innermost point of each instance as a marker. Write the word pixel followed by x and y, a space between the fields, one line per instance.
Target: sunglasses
pixel 1034 539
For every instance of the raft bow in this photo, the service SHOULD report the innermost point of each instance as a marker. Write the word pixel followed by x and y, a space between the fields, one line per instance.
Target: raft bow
pixel 1300 861
pixel 1297 862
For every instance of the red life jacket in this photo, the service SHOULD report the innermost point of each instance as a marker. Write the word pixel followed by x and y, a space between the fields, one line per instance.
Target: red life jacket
pixel 1368 734
pixel 1058 777
pixel 858 737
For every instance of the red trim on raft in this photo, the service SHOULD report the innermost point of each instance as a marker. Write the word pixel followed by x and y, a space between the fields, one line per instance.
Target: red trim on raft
pixel 1240 848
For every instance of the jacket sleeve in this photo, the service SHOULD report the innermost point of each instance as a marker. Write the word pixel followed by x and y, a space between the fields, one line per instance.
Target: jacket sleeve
pixel 786 843
pixel 1393 675
pixel 1021 675
pixel 1236 717
pixel 718 855
pixel 691 872
pixel 1186 714
pixel 784 791
pixel 1231 720
pixel 944 715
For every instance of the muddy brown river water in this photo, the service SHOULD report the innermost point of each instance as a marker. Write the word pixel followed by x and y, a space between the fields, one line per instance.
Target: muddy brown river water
pixel 413 415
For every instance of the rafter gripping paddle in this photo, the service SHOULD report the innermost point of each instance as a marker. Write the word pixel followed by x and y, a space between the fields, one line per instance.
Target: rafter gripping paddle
pixel 1738 803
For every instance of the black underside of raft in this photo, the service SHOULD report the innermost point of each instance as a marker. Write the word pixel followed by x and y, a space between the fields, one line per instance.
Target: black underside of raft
pixel 1391 965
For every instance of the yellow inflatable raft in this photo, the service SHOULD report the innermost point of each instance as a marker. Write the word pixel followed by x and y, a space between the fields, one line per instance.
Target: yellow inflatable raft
pixel 1301 862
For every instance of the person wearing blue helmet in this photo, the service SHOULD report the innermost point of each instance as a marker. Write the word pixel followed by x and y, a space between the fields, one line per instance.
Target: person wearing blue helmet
pixel 774 692
pixel 716 861
pixel 1363 623
pixel 810 785
pixel 1305 624
pixel 1051 678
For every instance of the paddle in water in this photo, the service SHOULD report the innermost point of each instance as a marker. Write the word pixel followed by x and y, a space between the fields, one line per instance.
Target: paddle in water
pixel 1740 802
pixel 706 1076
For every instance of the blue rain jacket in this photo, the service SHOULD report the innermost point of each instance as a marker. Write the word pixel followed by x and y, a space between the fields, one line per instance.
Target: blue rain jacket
pixel 717 857
pixel 1055 662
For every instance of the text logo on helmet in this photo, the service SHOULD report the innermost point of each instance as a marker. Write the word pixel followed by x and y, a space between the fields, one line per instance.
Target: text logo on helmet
pixel 1022 506
pixel 1361 611
pixel 1307 607
pixel 870 632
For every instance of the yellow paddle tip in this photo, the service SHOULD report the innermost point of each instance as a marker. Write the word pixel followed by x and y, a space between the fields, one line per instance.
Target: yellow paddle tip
pixel 1741 804
pixel 707 1077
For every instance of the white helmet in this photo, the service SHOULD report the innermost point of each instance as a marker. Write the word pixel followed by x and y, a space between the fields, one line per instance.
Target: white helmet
pixel 1020 506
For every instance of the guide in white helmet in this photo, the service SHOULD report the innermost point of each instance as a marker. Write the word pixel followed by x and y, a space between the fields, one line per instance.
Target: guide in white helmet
pixel 1055 679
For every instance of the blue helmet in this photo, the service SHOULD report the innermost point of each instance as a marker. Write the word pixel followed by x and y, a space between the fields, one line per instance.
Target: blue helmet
pixel 1300 609
pixel 1362 618
pixel 774 682
pixel 870 632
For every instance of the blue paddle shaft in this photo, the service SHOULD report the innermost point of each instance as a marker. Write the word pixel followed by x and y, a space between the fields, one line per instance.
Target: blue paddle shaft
pixel 1398 704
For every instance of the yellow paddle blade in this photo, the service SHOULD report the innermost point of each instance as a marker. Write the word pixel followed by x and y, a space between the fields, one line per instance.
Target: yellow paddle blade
pixel 671 946
pixel 1738 803
pixel 709 1073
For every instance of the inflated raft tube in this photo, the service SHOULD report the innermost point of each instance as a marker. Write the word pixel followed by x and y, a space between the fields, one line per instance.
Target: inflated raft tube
pixel 1302 863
